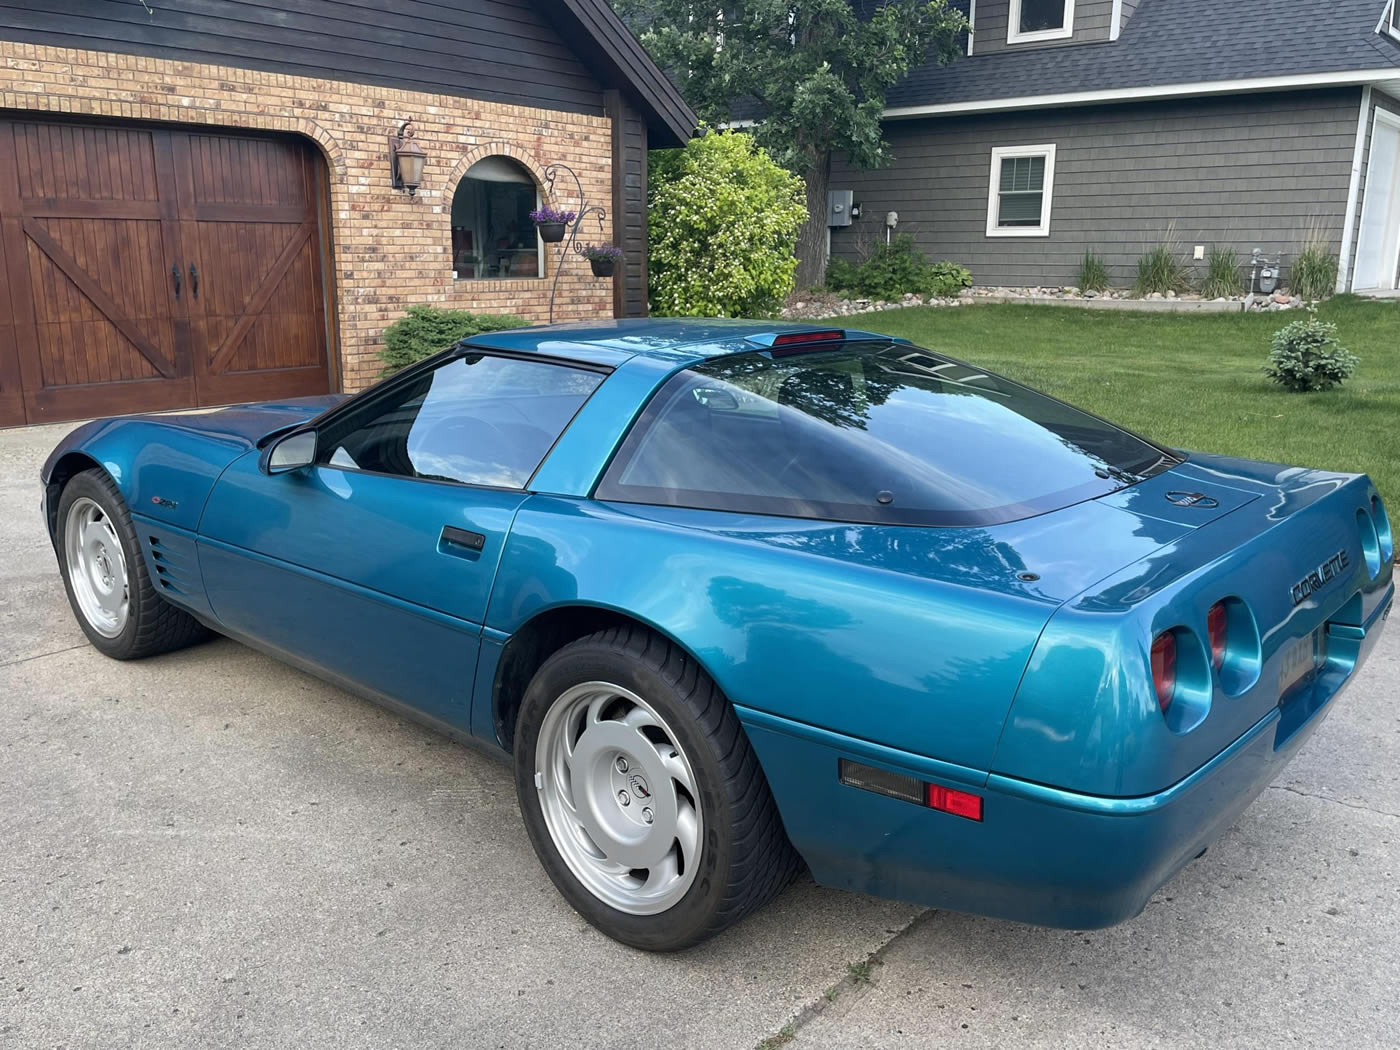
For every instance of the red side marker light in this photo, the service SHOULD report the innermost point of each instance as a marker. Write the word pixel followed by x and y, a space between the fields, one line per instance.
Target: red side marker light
pixel 909 789
pixel 1164 669
pixel 958 803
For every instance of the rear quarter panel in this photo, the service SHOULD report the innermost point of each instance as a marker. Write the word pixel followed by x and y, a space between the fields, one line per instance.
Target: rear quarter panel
pixel 828 625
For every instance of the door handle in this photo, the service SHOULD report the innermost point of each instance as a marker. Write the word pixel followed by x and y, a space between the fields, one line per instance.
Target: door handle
pixel 194 281
pixel 461 542
pixel 175 274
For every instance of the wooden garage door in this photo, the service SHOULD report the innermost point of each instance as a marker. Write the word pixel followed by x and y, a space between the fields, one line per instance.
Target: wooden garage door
pixel 146 268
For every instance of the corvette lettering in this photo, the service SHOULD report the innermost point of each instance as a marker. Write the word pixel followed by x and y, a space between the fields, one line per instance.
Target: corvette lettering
pixel 1320 577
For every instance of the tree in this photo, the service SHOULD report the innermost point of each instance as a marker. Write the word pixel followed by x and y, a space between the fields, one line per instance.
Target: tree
pixel 722 223
pixel 817 69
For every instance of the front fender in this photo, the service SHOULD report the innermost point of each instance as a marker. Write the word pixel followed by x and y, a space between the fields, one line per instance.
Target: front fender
pixel 163 472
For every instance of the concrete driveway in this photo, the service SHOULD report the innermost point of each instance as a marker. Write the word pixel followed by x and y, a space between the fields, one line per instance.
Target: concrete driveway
pixel 209 849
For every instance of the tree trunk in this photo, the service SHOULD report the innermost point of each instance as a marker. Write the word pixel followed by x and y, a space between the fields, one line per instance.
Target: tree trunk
pixel 811 239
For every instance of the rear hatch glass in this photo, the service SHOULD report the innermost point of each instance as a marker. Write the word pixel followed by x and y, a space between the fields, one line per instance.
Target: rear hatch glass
pixel 869 431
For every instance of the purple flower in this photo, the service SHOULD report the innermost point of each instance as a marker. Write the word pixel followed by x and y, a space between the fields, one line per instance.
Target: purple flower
pixel 602 251
pixel 545 213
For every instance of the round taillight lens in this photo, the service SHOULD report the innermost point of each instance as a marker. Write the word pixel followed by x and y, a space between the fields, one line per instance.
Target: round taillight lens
pixel 1216 621
pixel 1164 669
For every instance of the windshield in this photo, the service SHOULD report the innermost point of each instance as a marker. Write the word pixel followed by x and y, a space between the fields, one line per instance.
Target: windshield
pixel 873 432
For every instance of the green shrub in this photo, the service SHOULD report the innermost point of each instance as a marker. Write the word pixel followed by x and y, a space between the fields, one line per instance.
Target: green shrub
pixel 1093 272
pixel 841 275
pixel 1163 268
pixel 1223 278
pixel 723 221
pixel 1314 272
pixel 893 270
pixel 1306 356
pixel 425 330
pixel 949 279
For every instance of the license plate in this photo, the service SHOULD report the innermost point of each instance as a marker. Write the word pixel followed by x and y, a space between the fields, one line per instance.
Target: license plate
pixel 1300 660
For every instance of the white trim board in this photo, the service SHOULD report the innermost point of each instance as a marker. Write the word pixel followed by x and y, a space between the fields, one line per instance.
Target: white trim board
pixel 1047 191
pixel 1387 80
pixel 1014 36
pixel 1358 155
pixel 1116 25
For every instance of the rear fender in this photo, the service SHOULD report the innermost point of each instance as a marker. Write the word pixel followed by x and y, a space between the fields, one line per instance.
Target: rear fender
pixel 783 627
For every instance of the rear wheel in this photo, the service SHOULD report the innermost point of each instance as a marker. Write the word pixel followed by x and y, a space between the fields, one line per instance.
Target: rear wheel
pixel 641 794
pixel 106 579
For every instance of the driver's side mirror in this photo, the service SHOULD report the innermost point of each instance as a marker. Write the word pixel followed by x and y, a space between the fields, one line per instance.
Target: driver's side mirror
pixel 290 453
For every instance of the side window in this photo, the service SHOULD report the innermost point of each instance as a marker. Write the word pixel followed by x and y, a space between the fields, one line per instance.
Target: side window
pixel 475 419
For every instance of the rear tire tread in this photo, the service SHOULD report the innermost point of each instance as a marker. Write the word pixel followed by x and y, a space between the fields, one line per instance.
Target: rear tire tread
pixel 763 861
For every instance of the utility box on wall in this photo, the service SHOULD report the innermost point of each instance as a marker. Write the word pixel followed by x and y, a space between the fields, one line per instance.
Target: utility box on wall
pixel 838 207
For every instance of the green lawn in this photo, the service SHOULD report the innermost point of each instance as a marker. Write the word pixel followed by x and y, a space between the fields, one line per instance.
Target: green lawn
pixel 1191 381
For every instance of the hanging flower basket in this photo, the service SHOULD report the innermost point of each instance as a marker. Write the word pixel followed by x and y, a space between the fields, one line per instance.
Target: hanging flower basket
pixel 603 258
pixel 552 223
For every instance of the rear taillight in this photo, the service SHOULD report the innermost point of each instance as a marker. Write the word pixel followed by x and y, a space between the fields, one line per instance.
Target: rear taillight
pixel 1383 528
pixel 1216 620
pixel 1164 669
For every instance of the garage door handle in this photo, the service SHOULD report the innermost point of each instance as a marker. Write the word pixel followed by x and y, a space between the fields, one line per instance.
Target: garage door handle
pixel 175 273
pixel 194 281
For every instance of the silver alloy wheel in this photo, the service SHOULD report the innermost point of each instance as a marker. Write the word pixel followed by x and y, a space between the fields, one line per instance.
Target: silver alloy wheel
pixel 619 798
pixel 97 567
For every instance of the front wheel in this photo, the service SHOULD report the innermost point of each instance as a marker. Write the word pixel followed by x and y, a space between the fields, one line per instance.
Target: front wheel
pixel 641 794
pixel 105 577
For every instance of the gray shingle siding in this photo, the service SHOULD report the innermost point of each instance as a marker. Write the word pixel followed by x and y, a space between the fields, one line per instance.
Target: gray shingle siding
pixel 1246 170
pixel 1092 19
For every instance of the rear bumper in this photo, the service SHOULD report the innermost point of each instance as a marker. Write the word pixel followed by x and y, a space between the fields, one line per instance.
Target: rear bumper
pixel 1040 854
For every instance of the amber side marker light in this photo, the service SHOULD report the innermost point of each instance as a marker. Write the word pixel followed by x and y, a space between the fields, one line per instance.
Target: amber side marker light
pixel 910 789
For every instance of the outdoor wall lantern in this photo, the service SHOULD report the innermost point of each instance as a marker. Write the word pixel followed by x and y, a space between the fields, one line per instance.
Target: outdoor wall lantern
pixel 406 160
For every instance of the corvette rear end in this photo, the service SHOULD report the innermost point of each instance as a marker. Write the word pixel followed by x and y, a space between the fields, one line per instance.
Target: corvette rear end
pixel 1156 706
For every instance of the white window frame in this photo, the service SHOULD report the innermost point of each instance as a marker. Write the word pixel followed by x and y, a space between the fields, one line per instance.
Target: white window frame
pixel 1015 36
pixel 1000 153
pixel 1393 24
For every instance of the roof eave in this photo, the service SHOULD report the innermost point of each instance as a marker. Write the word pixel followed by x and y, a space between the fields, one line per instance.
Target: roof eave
pixel 1387 78
pixel 625 62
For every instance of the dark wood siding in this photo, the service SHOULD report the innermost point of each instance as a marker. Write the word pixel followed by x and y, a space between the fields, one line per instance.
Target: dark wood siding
pixel 496 50
pixel 629 204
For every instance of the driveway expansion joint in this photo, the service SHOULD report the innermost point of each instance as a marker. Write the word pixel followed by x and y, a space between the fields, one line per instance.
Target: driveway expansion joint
pixel 1335 801
pixel 850 983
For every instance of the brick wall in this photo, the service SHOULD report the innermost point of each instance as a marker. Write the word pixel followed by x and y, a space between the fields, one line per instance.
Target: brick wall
pixel 390 250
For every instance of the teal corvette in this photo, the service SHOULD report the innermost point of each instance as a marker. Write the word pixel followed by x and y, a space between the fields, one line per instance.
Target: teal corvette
pixel 739 597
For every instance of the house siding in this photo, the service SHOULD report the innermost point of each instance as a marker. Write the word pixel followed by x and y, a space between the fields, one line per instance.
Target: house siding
pixel 1244 171
pixel 629 204
pixel 496 50
pixel 1093 20
pixel 1390 105
pixel 388 251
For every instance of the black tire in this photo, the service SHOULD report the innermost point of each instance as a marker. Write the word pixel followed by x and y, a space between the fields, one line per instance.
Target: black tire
pixel 153 625
pixel 745 856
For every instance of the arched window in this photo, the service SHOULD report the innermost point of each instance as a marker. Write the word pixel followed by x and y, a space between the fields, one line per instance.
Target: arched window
pixel 492 235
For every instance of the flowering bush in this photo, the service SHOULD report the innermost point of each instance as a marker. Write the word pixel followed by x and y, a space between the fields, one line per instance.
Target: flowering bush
pixel 545 213
pixel 602 252
pixel 723 221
